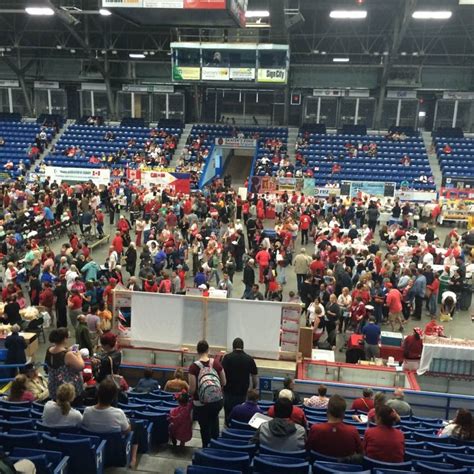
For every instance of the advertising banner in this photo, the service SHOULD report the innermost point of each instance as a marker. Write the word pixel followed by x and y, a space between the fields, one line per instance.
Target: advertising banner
pixel 275 76
pixel 215 73
pixel 59 174
pixel 375 188
pixel 242 73
pixel 186 73
pixel 324 192
pixel 290 184
pixel 419 196
pixel 235 142
pixel 205 4
pixel 179 182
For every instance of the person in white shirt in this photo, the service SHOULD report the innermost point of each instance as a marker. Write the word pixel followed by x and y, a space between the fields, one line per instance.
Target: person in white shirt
pixel 10 273
pixel 104 418
pixel 59 414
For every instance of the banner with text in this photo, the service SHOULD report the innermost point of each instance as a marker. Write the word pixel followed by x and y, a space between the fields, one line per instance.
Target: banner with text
pixel 186 73
pixel 179 182
pixel 275 76
pixel 215 73
pixel 235 142
pixel 59 174
pixel 242 73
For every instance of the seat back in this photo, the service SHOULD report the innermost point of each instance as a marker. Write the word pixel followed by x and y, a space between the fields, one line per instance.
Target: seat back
pixel 334 467
pixel 299 454
pixel 46 462
pixel 234 445
pixel 241 426
pixel 210 470
pixel 460 460
pixel 426 467
pixel 117 450
pixel 9 441
pixel 265 464
pixel 370 463
pixel 219 457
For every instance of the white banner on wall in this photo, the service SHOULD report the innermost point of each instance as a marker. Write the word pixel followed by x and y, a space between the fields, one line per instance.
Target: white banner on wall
pixel 59 174
pixel 235 142
pixel 421 196
pixel 215 74
pixel 242 73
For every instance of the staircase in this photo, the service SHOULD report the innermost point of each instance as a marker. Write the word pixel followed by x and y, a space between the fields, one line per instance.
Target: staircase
pixel 292 136
pixel 181 144
pixel 433 159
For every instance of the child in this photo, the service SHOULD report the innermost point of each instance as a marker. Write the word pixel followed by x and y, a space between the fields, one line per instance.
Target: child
pixel 87 374
pixel 181 420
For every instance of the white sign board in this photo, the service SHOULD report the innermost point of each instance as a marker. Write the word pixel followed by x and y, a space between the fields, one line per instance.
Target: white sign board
pixel 59 174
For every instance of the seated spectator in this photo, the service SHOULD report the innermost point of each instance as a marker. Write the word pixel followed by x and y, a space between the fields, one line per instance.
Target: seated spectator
pixel 177 383
pixel 36 383
pixel 365 403
pixel 245 411
pixel 281 433
pixel 297 414
pixel 335 438
pixel 147 383
pixel 384 442
pixel 181 420
pixel 462 427
pixel 18 390
pixel 59 414
pixel 399 404
pixel 289 384
pixel 318 401
pixel 104 418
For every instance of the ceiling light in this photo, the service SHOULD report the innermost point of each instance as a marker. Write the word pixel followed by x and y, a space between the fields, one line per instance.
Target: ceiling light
pixel 376 53
pixel 432 14
pixel 323 52
pixel 340 60
pixel 385 53
pixel 421 113
pixel 58 46
pixel 403 53
pixel 257 14
pixel 72 51
pixel 105 12
pixel 114 51
pixel 348 14
pixel 136 56
pixel 151 53
pixel 39 11
pixel 315 51
pixel 415 53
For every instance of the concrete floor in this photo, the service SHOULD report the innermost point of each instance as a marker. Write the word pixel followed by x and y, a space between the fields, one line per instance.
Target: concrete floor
pixel 166 459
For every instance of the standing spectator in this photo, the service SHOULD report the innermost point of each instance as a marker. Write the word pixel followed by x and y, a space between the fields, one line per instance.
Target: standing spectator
pixel 60 305
pixel 372 216
pixel 305 224
pixel 241 373
pixel 108 362
pixel 181 420
pixel 15 345
pixel 393 301
pixel 62 364
pixel 12 311
pixel 398 404
pixel 432 291
pixel 206 379
pixel 248 278
pixel 371 333
pixel 334 438
pixel 412 349
pixel 131 258
pixel 301 266
pixel 83 337
pixel 384 442
pixel 74 304
pixel 263 259
pixel 418 290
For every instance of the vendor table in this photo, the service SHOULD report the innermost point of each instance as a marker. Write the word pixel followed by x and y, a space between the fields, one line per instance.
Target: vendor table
pixel 356 345
pixel 446 359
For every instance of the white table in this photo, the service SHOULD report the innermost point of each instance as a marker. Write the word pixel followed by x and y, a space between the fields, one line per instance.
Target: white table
pixel 442 351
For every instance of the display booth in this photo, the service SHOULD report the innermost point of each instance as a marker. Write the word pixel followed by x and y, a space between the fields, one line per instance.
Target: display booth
pixel 270 330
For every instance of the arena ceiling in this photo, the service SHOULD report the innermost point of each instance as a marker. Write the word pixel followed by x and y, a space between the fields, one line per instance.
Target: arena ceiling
pixel 388 34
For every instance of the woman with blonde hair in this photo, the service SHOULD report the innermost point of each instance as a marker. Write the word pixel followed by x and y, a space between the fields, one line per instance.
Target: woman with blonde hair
pixel 177 383
pixel 59 413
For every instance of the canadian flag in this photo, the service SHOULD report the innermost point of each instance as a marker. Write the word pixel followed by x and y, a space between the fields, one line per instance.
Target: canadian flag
pixel 95 172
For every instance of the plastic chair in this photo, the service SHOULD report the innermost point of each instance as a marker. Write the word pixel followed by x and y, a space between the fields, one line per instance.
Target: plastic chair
pixel 446 448
pixel 429 438
pixel 391 471
pixel 314 456
pixel 54 430
pixel 422 455
pixel 298 454
pixel 9 441
pixel 370 463
pixel 19 412
pixel 264 464
pixel 159 433
pixel 218 457
pixel 46 462
pixel 24 423
pixel 13 405
pixel 234 445
pixel 336 467
pixel 461 460
pixel 232 433
pixel 241 426
pixel 206 470
pixel 86 453
pixel 118 447
pixel 425 467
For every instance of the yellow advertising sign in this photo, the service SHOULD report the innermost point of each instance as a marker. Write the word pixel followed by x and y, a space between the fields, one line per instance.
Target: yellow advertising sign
pixel 186 73
pixel 276 76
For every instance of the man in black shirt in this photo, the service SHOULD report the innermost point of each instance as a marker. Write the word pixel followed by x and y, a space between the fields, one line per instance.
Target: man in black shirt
pixel 241 373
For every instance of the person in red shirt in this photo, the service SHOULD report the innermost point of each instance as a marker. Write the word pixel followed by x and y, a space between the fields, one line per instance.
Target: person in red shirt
pixel 365 403
pixel 108 292
pixel 412 349
pixel 297 414
pixel 46 297
pixel 123 225
pixel 305 224
pixel 334 438
pixel 433 328
pixel 433 297
pixel 384 442
pixel 358 313
pixel 263 260
pixel 317 266
pixel 150 286
pixel 394 303
pixel 117 243
pixel 74 304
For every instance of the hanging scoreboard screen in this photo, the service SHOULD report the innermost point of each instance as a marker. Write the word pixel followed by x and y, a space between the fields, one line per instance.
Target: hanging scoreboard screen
pixel 230 62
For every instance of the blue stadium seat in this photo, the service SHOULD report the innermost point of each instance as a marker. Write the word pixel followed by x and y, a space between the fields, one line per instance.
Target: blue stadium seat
pixel 206 470
pixel 218 457
pixel 118 447
pixel 241 426
pixel 264 464
pixel 446 448
pixel 54 430
pixel 86 453
pixel 370 463
pixel 46 462
pixel 460 460
pixel 425 467
pixel 234 445
pixel 422 455
pixel 334 467
pixel 314 456
pixel 159 434
pixel 14 412
pixel 391 471
pixel 233 433
pixel 9 441
pixel 300 454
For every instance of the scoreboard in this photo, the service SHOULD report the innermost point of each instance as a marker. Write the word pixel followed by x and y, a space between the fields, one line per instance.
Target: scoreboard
pixel 230 62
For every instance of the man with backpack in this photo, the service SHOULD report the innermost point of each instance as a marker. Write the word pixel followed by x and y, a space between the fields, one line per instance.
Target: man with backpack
pixel 206 382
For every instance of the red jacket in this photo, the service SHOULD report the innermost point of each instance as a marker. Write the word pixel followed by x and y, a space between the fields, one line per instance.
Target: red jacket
pixel 297 415
pixel 384 444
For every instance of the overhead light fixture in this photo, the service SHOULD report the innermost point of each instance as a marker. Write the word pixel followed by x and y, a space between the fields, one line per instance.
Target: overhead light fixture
pixel 105 12
pixel 114 51
pixel 151 53
pixel 58 46
pixel 257 25
pixel 257 14
pixel 315 51
pixel 136 56
pixel 415 53
pixel 323 52
pixel 39 11
pixel 432 14
pixel 403 53
pixel 348 14
pixel 385 53
pixel 421 113
pixel 340 60
pixel 376 53
pixel 72 51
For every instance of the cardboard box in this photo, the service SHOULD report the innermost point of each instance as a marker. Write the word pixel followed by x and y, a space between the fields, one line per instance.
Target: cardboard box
pixel 389 338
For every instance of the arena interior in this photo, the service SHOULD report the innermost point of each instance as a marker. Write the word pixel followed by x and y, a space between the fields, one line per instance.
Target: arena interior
pixel 237 236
